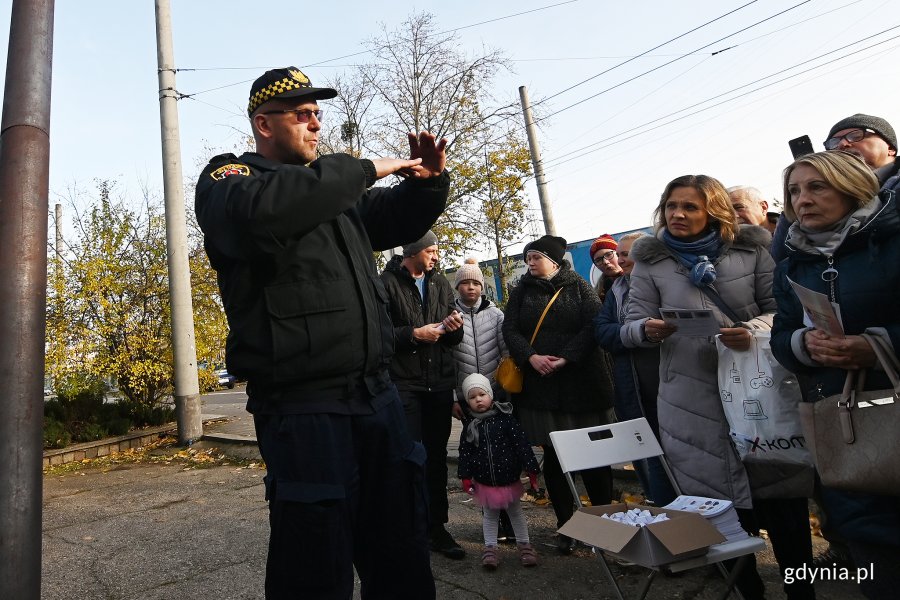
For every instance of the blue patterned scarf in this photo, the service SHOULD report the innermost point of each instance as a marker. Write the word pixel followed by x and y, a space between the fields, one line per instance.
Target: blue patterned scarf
pixel 698 256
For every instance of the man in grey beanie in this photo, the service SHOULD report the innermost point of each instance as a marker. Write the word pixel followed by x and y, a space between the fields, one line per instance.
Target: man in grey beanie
pixel 870 138
pixel 426 241
pixel 426 328
pixel 873 140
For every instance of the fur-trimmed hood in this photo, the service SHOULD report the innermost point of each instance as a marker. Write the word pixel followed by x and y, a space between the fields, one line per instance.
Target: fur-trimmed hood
pixel 652 249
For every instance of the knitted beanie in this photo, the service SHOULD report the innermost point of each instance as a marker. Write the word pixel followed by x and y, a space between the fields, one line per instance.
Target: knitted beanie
pixel 469 270
pixel 427 240
pixel 604 242
pixel 551 246
pixel 476 380
pixel 861 121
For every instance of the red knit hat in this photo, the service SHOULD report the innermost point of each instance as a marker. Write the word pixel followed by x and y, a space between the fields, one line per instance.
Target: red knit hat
pixel 605 242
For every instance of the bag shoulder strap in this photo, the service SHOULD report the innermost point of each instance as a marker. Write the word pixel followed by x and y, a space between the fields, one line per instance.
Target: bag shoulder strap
pixel 713 295
pixel 543 314
pixel 885 355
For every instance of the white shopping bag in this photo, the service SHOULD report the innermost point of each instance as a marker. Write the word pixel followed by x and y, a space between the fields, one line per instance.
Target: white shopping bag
pixel 760 399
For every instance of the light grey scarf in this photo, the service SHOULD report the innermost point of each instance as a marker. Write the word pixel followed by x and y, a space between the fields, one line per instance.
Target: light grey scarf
pixel 472 428
pixel 827 241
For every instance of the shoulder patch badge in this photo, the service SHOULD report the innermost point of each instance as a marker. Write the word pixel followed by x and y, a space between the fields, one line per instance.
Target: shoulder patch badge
pixel 232 169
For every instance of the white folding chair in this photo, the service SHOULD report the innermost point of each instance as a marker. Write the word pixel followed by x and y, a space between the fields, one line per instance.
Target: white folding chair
pixel 607 445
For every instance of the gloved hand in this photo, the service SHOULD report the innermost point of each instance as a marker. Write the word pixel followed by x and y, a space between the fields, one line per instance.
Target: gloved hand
pixel 532 479
pixel 468 487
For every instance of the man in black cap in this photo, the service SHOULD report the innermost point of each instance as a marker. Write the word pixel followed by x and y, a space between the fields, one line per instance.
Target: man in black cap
pixel 426 327
pixel 291 237
pixel 872 139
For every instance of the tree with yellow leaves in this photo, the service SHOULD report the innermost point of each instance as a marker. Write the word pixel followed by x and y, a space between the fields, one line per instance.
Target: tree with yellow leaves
pixel 108 310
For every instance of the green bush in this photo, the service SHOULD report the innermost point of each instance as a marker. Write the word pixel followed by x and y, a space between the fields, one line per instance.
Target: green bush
pixel 118 426
pixel 53 409
pixel 55 434
pixel 81 414
pixel 88 432
pixel 146 416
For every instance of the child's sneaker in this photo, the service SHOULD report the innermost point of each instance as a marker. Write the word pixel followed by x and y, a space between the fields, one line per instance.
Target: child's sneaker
pixel 489 558
pixel 527 555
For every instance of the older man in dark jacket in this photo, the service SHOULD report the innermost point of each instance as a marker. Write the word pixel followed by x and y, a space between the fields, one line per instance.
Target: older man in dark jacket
pixel 426 327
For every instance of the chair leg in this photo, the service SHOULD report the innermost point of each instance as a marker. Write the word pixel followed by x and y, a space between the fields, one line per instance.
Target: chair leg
pixel 646 585
pixel 731 577
pixel 609 575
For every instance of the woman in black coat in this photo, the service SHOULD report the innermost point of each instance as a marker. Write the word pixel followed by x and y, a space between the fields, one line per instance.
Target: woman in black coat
pixel 566 383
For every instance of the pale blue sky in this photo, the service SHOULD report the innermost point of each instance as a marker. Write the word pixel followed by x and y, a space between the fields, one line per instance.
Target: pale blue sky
pixel 105 111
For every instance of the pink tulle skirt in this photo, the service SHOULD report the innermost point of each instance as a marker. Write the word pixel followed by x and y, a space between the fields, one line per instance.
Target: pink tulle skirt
pixel 497 497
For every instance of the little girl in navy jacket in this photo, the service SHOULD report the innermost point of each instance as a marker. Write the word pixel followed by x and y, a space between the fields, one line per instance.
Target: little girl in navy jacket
pixel 493 452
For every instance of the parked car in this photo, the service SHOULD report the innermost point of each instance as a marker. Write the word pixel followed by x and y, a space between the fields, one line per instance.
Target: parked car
pixel 226 379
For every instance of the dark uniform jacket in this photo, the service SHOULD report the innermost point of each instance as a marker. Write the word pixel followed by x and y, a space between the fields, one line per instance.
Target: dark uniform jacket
pixel 292 246
pixel 420 367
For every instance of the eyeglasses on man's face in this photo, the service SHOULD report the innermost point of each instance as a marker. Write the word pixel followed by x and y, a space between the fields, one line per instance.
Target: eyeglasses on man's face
pixel 303 114
pixel 605 257
pixel 852 136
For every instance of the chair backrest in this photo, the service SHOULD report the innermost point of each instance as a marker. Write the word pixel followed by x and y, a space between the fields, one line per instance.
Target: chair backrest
pixel 604 445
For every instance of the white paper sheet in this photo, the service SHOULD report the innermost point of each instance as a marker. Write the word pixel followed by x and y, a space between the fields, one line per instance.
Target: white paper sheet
pixel 819 311
pixel 690 322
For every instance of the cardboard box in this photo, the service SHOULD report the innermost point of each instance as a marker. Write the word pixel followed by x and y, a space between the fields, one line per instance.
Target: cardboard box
pixel 684 535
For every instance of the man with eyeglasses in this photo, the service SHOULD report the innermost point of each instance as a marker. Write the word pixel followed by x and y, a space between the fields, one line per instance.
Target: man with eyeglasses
pixel 870 138
pixel 603 255
pixel 873 140
pixel 291 237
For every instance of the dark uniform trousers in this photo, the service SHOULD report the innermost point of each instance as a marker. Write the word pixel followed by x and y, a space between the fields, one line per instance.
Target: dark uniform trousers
pixel 345 490
pixel 429 418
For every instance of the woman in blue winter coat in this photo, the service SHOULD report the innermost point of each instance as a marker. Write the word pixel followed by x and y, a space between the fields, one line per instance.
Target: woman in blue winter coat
pixel 845 243
pixel 493 453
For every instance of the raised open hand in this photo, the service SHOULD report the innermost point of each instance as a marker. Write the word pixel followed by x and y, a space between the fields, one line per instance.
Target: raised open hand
pixel 431 151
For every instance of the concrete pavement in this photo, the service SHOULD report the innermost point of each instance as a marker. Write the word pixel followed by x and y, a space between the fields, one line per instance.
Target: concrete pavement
pixel 180 531
pixel 175 529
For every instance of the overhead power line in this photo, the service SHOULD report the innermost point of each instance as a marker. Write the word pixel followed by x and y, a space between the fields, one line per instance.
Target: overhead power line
pixel 540 119
pixel 362 52
pixel 590 149
pixel 592 77
pixel 591 97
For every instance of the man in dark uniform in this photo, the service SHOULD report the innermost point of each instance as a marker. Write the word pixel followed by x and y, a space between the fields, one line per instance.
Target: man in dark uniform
pixel 291 237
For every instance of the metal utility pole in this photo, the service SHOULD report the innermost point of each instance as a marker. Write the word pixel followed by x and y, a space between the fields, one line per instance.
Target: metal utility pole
pixel 543 192
pixel 187 388
pixel 24 187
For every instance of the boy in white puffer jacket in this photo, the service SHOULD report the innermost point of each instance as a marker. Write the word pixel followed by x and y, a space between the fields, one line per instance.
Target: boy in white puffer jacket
pixel 482 346
pixel 481 349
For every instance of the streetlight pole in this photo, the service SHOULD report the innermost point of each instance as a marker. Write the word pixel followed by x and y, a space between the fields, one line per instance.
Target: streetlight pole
pixel 187 388
pixel 543 192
